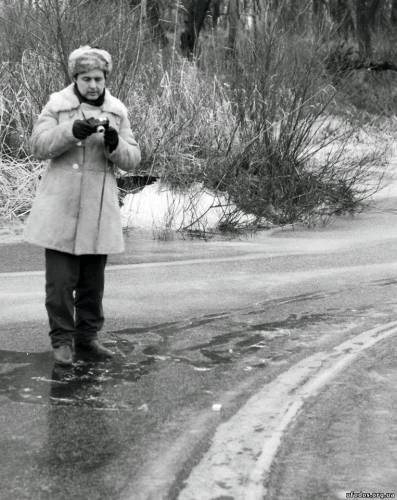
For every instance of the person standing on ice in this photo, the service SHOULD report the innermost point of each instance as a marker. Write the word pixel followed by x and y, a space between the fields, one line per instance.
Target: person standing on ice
pixel 75 215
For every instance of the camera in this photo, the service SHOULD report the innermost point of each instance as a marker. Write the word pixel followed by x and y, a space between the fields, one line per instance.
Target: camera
pixel 102 125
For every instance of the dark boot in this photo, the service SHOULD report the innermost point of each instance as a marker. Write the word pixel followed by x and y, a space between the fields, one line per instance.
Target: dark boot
pixel 93 349
pixel 63 355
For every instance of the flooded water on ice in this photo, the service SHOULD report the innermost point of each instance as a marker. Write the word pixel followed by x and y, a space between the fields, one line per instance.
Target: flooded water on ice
pixel 229 341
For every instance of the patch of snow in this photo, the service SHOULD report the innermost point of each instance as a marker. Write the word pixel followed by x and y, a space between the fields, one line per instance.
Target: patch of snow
pixel 158 207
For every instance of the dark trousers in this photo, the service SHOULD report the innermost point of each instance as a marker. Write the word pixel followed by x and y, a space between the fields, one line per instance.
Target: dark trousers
pixel 74 293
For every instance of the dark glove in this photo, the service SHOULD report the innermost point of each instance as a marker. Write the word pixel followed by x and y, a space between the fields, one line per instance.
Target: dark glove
pixel 83 128
pixel 111 138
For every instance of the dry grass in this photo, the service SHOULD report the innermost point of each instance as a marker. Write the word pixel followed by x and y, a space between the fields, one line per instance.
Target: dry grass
pixel 18 181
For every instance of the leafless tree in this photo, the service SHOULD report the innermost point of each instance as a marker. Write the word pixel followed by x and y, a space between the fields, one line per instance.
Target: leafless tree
pixel 154 9
pixel 195 12
pixel 366 14
pixel 393 15
pixel 233 14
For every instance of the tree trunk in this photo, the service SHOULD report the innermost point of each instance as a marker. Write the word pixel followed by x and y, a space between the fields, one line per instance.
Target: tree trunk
pixel 215 12
pixel 153 12
pixel 195 12
pixel 374 9
pixel 393 15
pixel 342 15
pixel 61 44
pixel 317 15
pixel 233 25
pixel 317 7
pixel 364 38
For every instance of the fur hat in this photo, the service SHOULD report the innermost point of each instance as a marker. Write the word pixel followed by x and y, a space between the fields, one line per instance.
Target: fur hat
pixel 87 58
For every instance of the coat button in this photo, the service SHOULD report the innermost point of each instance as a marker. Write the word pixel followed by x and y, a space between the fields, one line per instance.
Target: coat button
pixel 75 166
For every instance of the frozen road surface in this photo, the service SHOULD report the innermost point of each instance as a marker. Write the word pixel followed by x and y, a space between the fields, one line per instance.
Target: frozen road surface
pixel 246 369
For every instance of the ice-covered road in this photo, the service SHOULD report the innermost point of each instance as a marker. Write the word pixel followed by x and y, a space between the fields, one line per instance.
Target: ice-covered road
pixel 199 327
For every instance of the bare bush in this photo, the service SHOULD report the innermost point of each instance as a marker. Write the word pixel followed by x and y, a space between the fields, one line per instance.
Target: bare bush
pixel 266 151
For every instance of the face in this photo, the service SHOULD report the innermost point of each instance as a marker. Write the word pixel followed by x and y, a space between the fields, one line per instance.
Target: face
pixel 91 84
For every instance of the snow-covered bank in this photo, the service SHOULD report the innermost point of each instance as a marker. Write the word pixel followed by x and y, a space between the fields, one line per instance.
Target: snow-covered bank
pixel 159 208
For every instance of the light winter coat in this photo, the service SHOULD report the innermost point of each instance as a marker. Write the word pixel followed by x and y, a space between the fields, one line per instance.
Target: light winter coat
pixel 76 208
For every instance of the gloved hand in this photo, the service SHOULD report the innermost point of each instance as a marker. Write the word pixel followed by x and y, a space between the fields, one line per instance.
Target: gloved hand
pixel 83 128
pixel 111 138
